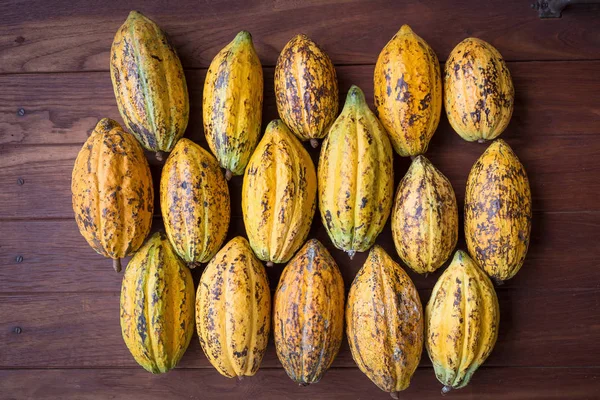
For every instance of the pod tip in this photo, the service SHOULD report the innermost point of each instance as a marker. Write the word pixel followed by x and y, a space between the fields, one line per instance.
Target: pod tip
pixel 117 264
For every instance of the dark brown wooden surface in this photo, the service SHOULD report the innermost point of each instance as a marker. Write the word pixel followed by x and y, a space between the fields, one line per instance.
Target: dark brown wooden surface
pixel 59 324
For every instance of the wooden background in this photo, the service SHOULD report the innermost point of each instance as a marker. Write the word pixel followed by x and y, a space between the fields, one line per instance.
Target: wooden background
pixel 59 301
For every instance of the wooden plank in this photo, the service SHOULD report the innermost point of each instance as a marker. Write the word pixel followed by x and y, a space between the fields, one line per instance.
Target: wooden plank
pixel 90 384
pixel 63 108
pixel 56 258
pixel 40 36
pixel 559 168
pixel 76 330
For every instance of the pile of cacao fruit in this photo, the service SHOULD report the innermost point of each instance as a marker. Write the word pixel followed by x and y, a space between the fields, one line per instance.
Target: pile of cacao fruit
pixel 113 200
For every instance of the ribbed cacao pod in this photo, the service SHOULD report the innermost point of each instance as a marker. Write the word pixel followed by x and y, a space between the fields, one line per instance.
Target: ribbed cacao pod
pixel 233 310
pixel 112 192
pixel 157 306
pixel 278 195
pixel 232 104
pixel 149 84
pixel 355 176
pixel 408 91
pixel 478 91
pixel 424 217
pixel 384 322
pixel 462 319
pixel 194 199
pixel 498 212
pixel 306 89
pixel 308 314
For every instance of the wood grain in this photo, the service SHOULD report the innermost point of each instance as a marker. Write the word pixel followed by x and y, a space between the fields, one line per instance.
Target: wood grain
pixel 75 330
pixel 41 36
pixel 57 259
pixel 64 108
pixel 338 383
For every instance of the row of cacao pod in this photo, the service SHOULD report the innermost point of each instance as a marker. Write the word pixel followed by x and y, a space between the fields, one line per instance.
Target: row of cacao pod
pixel 151 91
pixel 113 198
pixel 385 324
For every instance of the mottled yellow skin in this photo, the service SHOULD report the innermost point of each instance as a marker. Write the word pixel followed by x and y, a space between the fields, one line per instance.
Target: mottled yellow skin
pixel 194 200
pixel 233 310
pixel 157 306
pixel 308 314
pixel 306 89
pixel 498 212
pixel 149 83
pixel 424 217
pixel 384 322
pixel 278 195
pixel 408 91
pixel 462 319
pixel 232 103
pixel 355 177
pixel 478 91
pixel 113 198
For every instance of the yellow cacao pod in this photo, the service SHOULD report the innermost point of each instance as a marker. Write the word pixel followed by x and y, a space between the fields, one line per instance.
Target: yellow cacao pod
pixel 461 322
pixel 306 89
pixel 424 217
pixel 498 211
pixel 408 91
pixel 278 195
pixel 194 200
pixel 112 192
pixel 233 310
pixel 232 104
pixel 384 322
pixel 478 91
pixel 308 314
pixel 157 306
pixel 355 176
pixel 149 84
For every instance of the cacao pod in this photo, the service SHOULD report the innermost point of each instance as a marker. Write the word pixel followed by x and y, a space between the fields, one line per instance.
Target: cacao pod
pixel 306 89
pixel 355 176
pixel 424 217
pixel 232 104
pixel 478 91
pixel 112 192
pixel 233 310
pixel 194 199
pixel 149 84
pixel 461 322
pixel 498 212
pixel 308 314
pixel 157 306
pixel 408 91
pixel 278 195
pixel 384 322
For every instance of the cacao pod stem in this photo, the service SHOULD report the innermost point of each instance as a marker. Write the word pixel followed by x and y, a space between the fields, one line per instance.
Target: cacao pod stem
pixel 193 265
pixel 303 384
pixel 446 389
pixel 395 395
pixel 240 378
pixel 314 143
pixel 351 253
pixel 481 140
pixel 228 174
pixel 270 264
pixel 497 281
pixel 117 264
pixel 160 155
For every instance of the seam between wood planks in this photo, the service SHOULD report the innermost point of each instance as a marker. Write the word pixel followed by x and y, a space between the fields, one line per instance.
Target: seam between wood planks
pixel 204 68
